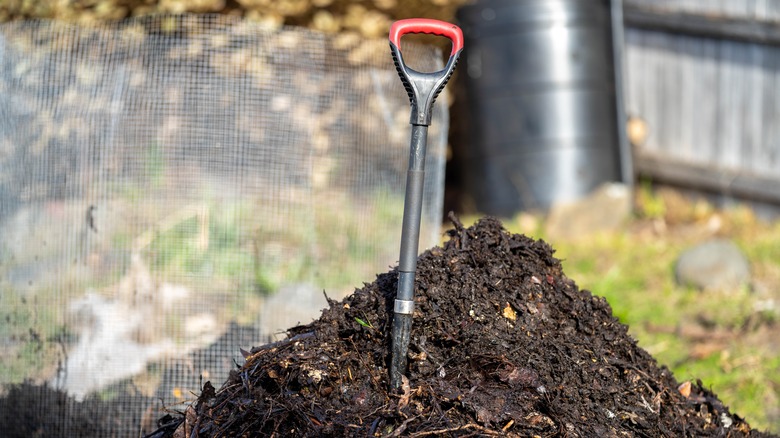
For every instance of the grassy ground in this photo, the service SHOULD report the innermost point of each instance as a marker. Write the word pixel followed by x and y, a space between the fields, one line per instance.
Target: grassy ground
pixel 229 254
pixel 730 339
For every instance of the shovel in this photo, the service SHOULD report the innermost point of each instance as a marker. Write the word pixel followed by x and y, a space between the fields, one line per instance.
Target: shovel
pixel 422 89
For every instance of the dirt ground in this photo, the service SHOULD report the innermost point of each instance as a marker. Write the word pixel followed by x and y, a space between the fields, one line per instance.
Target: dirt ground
pixel 503 344
pixel 30 410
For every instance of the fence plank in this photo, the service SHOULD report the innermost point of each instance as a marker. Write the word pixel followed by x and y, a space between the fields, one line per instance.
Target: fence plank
pixel 707 101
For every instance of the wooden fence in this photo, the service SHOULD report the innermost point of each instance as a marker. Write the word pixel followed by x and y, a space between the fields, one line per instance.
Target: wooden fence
pixel 705 76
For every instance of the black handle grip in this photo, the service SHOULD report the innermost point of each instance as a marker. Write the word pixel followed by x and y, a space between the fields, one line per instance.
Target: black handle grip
pixel 423 88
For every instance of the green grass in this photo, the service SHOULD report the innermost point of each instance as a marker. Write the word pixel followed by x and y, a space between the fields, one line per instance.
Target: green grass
pixel 631 267
pixel 637 281
pixel 229 254
pixel 246 249
pixel 32 333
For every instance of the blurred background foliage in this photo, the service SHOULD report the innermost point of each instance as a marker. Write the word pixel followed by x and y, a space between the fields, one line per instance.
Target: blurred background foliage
pixel 370 18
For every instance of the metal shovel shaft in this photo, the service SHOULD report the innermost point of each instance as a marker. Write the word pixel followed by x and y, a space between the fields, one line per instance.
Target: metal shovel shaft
pixel 422 89
pixel 407 265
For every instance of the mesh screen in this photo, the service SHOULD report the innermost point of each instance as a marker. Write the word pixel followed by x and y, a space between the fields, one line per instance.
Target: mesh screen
pixel 175 188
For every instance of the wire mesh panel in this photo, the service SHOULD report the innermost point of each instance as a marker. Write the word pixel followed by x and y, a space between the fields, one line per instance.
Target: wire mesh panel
pixel 175 188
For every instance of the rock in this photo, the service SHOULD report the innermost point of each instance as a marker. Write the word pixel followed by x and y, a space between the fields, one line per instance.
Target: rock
pixel 606 209
pixel 714 265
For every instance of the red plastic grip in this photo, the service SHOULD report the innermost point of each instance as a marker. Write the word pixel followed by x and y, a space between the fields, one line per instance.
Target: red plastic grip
pixel 429 26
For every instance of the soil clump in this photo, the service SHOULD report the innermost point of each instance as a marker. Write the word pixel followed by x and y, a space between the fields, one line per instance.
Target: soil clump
pixel 503 344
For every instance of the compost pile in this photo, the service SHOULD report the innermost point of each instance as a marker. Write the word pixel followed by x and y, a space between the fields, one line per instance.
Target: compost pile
pixel 502 344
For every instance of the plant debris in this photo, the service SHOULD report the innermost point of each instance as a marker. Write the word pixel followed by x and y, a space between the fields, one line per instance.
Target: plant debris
pixel 503 344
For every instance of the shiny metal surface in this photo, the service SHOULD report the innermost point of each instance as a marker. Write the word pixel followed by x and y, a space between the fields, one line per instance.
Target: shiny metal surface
pixel 541 89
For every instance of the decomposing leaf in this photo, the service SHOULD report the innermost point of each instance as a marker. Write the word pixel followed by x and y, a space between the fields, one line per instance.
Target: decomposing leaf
pixel 509 313
pixel 685 388
pixel 407 393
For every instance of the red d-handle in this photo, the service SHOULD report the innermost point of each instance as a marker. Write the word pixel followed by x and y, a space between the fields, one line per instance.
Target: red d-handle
pixel 429 26
pixel 424 87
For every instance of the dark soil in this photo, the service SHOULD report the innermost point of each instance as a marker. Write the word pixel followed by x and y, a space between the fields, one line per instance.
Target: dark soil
pixel 502 344
pixel 29 410
pixel 38 410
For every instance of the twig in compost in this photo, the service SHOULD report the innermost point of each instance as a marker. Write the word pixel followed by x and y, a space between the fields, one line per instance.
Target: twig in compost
pixel 374 378
pixel 475 426
pixel 460 230
pixel 272 345
pixel 402 428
